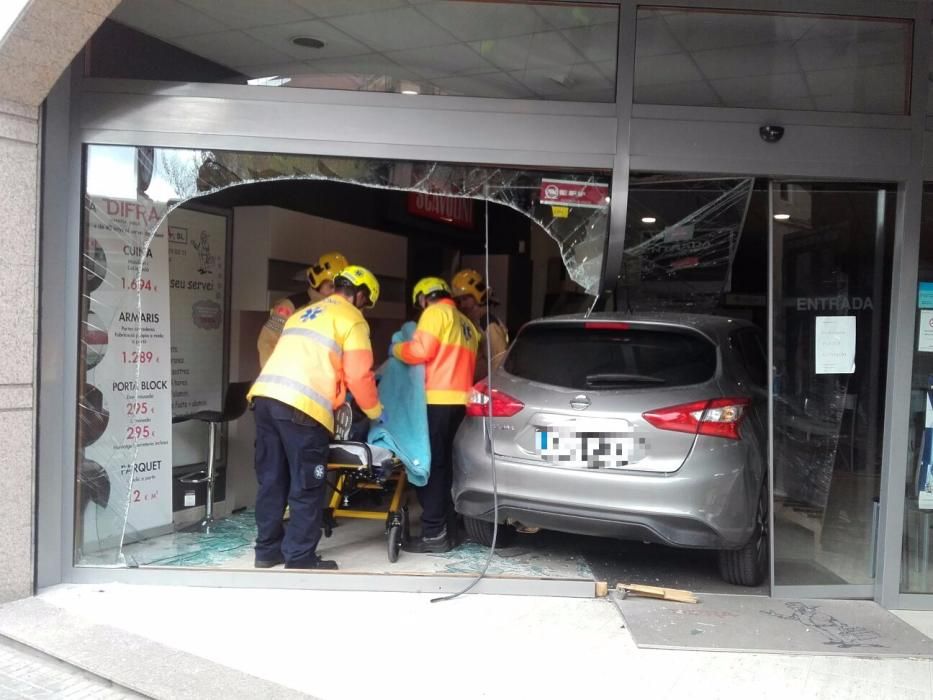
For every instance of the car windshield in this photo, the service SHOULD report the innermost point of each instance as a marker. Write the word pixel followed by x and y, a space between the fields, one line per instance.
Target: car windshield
pixel 609 356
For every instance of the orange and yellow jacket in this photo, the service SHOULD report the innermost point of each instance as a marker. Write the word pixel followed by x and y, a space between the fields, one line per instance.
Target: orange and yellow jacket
pixel 278 315
pixel 445 342
pixel 324 350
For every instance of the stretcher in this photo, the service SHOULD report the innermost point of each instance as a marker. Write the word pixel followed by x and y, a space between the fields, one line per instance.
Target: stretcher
pixel 361 471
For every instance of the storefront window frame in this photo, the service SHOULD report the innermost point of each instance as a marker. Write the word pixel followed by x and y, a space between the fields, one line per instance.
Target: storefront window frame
pixel 92 123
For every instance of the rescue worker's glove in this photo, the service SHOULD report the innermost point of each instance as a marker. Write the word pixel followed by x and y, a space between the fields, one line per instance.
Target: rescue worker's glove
pixel 383 418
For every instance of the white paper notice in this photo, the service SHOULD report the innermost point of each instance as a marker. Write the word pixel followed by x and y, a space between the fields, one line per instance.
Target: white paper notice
pixel 925 334
pixel 835 344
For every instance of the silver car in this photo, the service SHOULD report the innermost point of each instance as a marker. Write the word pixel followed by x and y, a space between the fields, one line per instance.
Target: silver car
pixel 647 427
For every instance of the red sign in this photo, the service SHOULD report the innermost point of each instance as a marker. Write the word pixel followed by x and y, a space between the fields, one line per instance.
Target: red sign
pixel 456 211
pixel 593 195
pixel 684 263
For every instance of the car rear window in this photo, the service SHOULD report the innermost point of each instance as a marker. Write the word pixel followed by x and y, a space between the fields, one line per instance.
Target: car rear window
pixel 609 356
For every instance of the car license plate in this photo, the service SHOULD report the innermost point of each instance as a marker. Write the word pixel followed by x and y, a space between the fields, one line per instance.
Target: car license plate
pixel 567 447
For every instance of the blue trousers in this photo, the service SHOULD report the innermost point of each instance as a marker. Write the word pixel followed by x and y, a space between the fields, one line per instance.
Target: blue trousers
pixel 437 504
pixel 291 467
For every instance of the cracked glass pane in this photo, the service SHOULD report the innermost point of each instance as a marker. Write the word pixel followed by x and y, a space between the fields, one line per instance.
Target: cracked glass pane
pixel 682 236
pixel 127 386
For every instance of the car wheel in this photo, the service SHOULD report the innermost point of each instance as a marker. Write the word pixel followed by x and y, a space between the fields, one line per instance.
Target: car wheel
pixel 481 531
pixel 748 566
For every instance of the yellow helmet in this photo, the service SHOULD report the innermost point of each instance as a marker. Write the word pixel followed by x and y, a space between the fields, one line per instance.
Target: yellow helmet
pixel 469 283
pixel 328 267
pixel 427 286
pixel 361 277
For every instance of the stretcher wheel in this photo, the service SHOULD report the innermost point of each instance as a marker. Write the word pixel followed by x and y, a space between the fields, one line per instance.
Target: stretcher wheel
pixel 328 522
pixel 394 541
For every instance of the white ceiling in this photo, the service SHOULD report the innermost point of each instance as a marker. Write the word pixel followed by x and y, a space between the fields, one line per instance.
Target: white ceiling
pixel 776 61
pixel 545 51
pixel 442 47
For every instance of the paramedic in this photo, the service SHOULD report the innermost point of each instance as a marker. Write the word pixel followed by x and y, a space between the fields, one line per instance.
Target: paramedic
pixel 445 342
pixel 320 286
pixel 323 352
pixel 470 292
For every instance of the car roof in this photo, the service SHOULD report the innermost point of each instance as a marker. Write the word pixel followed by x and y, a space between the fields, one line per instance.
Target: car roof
pixel 706 323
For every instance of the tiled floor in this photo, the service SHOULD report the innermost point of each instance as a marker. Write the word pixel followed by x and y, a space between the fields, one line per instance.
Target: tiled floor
pixel 359 546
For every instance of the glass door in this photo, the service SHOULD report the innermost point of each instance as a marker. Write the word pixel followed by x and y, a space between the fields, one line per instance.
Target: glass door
pixel 828 302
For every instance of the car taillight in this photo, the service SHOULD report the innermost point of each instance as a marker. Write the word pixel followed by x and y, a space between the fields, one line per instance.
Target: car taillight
pixel 503 405
pixel 715 417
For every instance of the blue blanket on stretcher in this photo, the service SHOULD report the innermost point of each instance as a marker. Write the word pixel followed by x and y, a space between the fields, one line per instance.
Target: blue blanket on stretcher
pixel 401 390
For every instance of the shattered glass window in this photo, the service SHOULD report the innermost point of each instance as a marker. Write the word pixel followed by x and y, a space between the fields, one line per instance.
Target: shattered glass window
pixel 157 276
pixel 681 240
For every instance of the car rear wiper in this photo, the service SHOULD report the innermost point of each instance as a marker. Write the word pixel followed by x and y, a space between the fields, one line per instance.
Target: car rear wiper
pixel 612 378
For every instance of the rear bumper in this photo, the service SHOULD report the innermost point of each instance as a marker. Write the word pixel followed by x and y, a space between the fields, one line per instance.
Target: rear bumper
pixel 708 503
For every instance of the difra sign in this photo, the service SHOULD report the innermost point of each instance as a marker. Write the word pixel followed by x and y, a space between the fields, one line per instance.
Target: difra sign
pixel 593 195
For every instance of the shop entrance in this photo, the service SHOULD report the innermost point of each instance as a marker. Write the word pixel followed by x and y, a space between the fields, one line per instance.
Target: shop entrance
pixel 800 266
pixel 806 266
pixel 831 248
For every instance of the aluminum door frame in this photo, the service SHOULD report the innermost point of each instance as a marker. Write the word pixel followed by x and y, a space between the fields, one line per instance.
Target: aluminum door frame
pixel 624 137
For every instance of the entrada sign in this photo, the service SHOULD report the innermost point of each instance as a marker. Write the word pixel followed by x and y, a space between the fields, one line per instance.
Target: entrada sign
pixel 839 303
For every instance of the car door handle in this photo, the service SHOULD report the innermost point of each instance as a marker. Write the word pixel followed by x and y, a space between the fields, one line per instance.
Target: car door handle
pixel 580 402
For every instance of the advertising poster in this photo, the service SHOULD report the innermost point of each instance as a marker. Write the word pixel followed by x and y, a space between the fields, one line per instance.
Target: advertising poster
pixel 197 250
pixel 925 332
pixel 126 410
pixel 197 264
pixel 925 295
pixel 925 481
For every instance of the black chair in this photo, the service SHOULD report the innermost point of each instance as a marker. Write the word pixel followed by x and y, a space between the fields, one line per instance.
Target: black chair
pixel 235 405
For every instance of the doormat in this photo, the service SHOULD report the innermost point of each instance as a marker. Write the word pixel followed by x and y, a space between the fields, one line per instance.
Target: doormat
pixel 758 624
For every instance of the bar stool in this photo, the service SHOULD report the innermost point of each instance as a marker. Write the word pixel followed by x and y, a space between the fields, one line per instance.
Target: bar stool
pixel 235 405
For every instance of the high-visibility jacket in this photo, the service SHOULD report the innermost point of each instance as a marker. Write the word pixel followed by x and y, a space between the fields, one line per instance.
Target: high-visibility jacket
pixel 446 342
pixel 278 315
pixel 495 343
pixel 323 351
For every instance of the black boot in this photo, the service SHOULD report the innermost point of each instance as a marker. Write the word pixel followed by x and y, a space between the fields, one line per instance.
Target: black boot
pixel 437 544
pixel 268 563
pixel 314 563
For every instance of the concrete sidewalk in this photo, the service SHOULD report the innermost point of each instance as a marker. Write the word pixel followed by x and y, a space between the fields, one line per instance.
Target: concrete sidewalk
pixel 339 646
pixel 28 674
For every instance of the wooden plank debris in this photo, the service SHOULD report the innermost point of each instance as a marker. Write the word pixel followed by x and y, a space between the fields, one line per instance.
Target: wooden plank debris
pixel 673 594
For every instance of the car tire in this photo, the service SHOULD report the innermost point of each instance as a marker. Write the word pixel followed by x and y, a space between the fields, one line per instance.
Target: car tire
pixel 748 566
pixel 481 531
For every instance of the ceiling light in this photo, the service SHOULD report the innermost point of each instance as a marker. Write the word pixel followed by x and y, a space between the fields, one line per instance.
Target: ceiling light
pixel 648 219
pixel 269 81
pixel 781 217
pixel 308 42
pixel 406 87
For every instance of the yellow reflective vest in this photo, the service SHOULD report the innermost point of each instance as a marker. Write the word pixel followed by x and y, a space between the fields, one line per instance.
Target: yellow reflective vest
pixel 323 351
pixel 445 342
